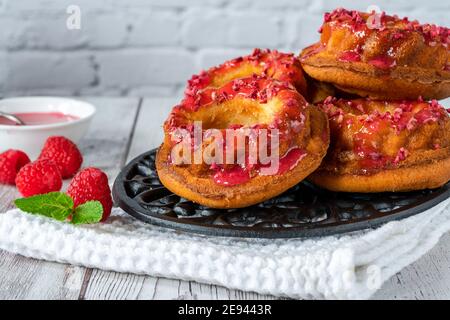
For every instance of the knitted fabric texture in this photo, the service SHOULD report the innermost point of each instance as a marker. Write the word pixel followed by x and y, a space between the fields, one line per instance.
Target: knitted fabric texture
pixel 350 266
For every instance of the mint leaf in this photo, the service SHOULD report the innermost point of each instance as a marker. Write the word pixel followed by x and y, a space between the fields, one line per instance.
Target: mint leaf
pixel 60 206
pixel 89 212
pixel 56 205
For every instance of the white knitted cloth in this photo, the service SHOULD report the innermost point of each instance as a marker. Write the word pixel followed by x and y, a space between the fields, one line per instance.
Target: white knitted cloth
pixel 345 267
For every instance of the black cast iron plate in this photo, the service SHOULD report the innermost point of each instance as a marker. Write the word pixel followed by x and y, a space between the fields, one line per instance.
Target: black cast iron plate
pixel 303 211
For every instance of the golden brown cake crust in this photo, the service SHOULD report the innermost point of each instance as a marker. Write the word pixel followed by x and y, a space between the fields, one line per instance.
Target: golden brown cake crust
pixel 404 84
pixel 432 175
pixel 381 146
pixel 280 66
pixel 397 59
pixel 206 192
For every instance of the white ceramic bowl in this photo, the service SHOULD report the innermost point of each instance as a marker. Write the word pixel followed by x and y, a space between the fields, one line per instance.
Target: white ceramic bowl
pixel 31 138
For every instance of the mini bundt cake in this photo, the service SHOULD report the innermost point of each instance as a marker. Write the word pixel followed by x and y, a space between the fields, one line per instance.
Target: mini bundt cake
pixel 252 104
pixel 381 56
pixel 270 63
pixel 379 146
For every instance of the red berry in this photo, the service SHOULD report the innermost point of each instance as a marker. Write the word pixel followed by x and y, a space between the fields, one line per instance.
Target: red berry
pixel 11 161
pixel 39 177
pixel 91 184
pixel 64 153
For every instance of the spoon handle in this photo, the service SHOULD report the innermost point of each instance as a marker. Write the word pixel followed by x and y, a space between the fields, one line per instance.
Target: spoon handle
pixel 12 118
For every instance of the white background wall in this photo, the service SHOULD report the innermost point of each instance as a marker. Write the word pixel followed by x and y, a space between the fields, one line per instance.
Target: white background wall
pixel 150 47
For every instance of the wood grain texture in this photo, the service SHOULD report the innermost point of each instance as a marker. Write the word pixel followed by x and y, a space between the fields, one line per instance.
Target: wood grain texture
pixel 427 278
pixel 149 127
pixel 104 146
pixel 122 130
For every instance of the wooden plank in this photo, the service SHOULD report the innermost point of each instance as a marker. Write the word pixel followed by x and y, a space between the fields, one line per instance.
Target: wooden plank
pixel 164 289
pixel 148 134
pixel 113 286
pixel 104 147
pixel 110 134
pixel 427 278
pixel 7 196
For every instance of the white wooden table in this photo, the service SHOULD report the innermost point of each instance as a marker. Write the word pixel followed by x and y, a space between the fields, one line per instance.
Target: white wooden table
pixel 122 129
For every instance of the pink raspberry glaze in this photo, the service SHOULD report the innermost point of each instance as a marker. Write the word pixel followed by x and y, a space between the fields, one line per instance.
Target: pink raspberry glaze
pixel 383 62
pixel 289 120
pixel 357 21
pixel 391 31
pixel 290 160
pixel 238 175
pixel 350 56
pixel 370 123
pixel 231 177
pixel 257 88
pixel 272 63
pixel 40 118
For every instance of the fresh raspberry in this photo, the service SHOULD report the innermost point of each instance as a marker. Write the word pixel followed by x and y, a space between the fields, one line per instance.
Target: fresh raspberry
pixel 64 153
pixel 11 161
pixel 91 184
pixel 39 177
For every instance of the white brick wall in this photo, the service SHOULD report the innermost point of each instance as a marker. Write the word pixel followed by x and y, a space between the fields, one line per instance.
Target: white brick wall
pixel 150 47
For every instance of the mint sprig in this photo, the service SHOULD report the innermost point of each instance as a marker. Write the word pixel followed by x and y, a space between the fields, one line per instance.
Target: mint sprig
pixel 89 212
pixel 54 205
pixel 60 206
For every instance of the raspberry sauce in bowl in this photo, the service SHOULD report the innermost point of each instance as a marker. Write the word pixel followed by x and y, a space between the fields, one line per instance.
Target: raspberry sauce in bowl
pixel 39 118
pixel 43 117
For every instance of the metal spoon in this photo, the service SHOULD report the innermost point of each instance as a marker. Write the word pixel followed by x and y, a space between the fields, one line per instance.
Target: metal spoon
pixel 12 117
